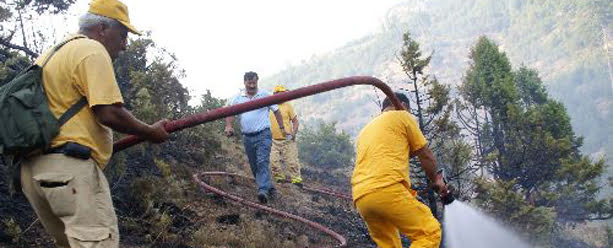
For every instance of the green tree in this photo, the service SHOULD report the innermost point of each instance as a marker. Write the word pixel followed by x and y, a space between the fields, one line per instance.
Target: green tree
pixel 203 140
pixel 325 147
pixel 11 63
pixel 413 66
pixel 505 201
pixel 16 44
pixel 530 87
pixel 16 14
pixel 537 174
pixel 488 86
pixel 152 91
pixel 432 107
pixel 149 180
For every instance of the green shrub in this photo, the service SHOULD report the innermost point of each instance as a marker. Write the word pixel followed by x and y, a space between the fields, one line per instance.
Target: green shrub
pixel 325 147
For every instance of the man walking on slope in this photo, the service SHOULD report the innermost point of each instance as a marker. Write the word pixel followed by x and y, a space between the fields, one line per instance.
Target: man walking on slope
pixel 66 186
pixel 381 186
pixel 257 139
pixel 284 147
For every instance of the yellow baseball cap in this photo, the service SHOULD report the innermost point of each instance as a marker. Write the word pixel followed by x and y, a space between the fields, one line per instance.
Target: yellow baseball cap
pixel 113 9
pixel 279 88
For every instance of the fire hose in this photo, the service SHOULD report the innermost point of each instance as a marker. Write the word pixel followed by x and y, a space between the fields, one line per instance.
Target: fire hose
pixel 340 238
pixel 219 113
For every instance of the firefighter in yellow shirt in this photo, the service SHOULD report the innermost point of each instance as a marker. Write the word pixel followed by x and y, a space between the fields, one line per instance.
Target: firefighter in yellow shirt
pixel 66 186
pixel 284 147
pixel 381 184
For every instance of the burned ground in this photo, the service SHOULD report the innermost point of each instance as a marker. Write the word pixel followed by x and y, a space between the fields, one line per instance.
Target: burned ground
pixel 157 209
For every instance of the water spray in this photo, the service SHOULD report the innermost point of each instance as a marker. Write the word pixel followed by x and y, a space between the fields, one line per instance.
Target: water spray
pixel 466 226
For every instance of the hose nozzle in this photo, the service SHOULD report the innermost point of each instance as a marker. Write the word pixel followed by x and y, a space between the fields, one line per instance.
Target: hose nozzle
pixel 449 197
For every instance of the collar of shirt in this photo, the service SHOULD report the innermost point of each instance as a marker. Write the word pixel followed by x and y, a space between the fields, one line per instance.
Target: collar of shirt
pixel 257 94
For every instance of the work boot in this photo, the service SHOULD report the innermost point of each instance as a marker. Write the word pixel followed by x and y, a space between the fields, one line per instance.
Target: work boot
pixel 299 185
pixel 297 181
pixel 272 194
pixel 263 197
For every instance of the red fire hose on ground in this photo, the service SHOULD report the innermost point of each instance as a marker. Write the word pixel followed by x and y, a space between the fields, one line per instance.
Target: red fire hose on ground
pixel 320 227
pixel 219 113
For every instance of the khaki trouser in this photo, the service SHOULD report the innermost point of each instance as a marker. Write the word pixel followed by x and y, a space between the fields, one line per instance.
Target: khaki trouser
pixel 72 200
pixel 392 209
pixel 287 152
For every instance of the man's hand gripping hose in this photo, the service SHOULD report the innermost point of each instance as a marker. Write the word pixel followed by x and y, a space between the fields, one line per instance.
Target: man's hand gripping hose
pixel 442 188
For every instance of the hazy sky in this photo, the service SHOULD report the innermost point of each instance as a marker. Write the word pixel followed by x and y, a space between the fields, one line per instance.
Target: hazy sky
pixel 217 41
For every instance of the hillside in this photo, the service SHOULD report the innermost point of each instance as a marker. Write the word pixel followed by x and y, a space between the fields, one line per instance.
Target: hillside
pixel 566 41
pixel 170 211
pixel 159 205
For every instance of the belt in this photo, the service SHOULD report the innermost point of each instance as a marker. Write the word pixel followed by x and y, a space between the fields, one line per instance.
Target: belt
pixel 57 149
pixel 256 133
pixel 71 149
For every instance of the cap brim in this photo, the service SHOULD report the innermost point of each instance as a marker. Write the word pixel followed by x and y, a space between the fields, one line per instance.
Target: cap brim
pixel 130 28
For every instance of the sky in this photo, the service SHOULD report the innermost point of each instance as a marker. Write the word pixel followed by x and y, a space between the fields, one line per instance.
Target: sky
pixel 215 42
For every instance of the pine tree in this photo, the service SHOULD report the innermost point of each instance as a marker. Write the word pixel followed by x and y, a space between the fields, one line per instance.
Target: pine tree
pixel 15 15
pixel 535 174
pixel 432 107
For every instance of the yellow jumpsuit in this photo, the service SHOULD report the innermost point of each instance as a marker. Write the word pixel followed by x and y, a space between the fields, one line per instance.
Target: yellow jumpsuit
pixel 381 184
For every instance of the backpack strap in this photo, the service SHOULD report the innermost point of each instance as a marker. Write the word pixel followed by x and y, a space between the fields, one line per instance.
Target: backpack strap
pixel 56 48
pixel 75 108
pixel 72 111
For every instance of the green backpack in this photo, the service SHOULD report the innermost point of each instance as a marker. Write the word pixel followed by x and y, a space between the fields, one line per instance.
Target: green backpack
pixel 27 122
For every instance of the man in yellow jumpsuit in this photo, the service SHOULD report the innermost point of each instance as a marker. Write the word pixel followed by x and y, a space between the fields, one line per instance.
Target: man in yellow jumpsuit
pixel 381 184
pixel 283 147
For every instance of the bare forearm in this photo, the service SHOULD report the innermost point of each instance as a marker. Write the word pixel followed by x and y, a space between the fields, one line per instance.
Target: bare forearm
pixel 428 162
pixel 295 125
pixel 229 121
pixel 121 120
pixel 279 119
